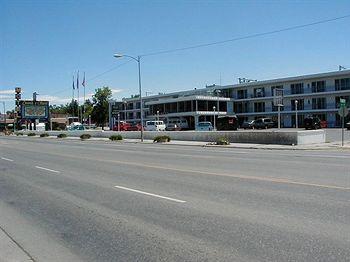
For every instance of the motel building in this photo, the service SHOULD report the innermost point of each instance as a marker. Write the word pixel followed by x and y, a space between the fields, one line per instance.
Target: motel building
pixel 316 94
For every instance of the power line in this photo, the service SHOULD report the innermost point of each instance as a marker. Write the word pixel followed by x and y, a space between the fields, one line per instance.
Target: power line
pixel 109 70
pixel 247 37
pixel 94 77
pixel 217 43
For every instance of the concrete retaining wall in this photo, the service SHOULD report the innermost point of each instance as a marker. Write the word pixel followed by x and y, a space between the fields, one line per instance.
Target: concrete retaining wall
pixel 279 137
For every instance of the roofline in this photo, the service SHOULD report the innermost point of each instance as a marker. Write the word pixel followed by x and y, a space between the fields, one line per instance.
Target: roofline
pixel 257 83
pixel 290 79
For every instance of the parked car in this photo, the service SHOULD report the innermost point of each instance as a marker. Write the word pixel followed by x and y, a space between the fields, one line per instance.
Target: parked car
pixel 248 124
pixel 155 126
pixel 227 122
pixel 180 122
pixel 173 127
pixel 75 126
pixel 123 126
pixel 134 127
pixel 347 125
pixel 204 126
pixel 264 123
pixel 312 122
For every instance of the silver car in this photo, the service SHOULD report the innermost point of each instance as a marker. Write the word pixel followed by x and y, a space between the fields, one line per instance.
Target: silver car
pixel 204 126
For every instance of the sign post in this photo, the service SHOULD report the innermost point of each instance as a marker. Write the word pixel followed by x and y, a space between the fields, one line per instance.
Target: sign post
pixel 278 101
pixel 343 112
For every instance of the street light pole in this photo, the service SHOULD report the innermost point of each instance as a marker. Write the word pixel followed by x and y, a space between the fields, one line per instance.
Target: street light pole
pixel 218 103
pixel 296 113
pixel 125 111
pixel 214 128
pixel 118 122
pixel 138 60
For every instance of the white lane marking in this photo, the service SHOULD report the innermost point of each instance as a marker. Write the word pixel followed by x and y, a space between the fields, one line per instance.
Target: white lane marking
pixel 7 159
pixel 50 170
pixel 328 156
pixel 150 194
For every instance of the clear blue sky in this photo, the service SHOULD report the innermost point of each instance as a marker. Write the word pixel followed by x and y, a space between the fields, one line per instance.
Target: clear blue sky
pixel 44 42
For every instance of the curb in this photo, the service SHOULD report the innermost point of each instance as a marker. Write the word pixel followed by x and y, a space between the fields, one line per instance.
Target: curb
pixel 11 250
pixel 263 147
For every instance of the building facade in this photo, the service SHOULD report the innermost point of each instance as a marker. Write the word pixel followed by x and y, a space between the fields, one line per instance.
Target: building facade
pixel 316 94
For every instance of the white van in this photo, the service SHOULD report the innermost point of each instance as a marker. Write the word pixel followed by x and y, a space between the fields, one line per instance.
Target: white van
pixel 155 126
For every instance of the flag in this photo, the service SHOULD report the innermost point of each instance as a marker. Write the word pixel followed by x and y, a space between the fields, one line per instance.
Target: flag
pixel 83 83
pixel 73 83
pixel 78 80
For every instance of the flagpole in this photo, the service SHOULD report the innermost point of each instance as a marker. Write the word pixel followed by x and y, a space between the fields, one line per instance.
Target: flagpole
pixel 73 96
pixel 78 95
pixel 84 98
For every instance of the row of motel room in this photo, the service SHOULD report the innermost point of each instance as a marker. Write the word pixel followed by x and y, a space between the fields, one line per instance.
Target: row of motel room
pixel 317 95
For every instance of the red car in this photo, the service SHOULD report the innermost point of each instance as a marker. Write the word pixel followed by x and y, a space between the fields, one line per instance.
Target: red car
pixel 127 127
pixel 134 127
pixel 123 126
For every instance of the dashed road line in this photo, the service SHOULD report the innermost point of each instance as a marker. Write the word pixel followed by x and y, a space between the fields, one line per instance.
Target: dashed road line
pixel 47 169
pixel 7 159
pixel 150 194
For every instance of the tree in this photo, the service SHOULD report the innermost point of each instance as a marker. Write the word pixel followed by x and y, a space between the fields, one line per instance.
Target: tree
pixel 88 106
pixel 100 99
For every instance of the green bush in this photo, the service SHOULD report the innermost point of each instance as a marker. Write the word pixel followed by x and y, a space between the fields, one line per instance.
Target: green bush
pixel 44 135
pixel 115 137
pixel 19 134
pixel 161 139
pixel 31 134
pixel 222 141
pixel 85 136
pixel 62 135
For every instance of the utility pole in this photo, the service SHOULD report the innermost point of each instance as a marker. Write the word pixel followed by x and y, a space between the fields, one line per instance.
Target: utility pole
pixel 296 113
pixel 214 128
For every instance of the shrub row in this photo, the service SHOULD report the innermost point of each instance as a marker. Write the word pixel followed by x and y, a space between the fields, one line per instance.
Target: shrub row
pixel 85 136
pixel 222 141
pixel 161 139
pixel 115 138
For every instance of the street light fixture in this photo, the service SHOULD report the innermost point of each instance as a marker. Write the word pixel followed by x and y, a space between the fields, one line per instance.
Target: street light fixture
pixel 138 60
pixel 296 113
pixel 214 128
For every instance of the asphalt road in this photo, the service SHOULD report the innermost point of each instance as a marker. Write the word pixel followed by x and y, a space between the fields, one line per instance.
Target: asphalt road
pixel 70 200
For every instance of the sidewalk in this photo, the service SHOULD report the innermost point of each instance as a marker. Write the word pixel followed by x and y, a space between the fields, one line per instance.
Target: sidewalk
pixel 323 146
pixel 10 251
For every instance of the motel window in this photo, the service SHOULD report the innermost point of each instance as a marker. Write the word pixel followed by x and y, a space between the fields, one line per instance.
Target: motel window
pixel 297 88
pixel 319 103
pixel 342 84
pixel 318 86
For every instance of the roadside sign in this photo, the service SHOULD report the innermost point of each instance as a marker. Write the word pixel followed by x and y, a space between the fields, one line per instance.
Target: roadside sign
pixel 278 97
pixel 343 111
pixel 342 102
pixel 115 110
